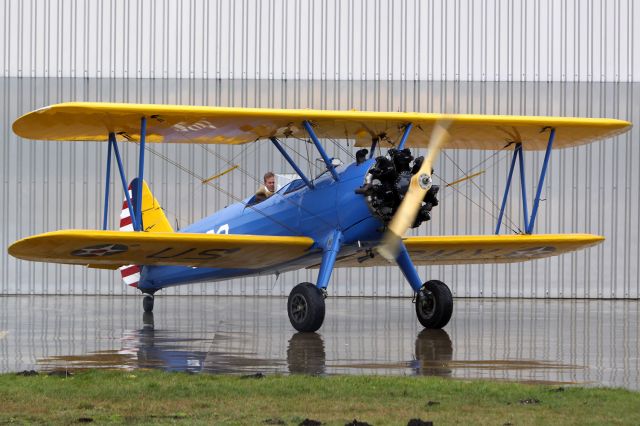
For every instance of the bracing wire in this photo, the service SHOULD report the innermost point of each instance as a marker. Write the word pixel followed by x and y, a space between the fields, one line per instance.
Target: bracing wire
pixel 511 224
pixel 482 192
pixel 246 173
pixel 343 149
pixel 309 166
pixel 307 158
pixel 219 188
pixel 489 212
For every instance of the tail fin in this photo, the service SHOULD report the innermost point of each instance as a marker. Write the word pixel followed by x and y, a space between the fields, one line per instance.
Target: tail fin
pixel 153 220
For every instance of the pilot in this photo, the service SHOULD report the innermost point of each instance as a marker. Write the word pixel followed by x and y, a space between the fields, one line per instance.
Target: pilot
pixel 267 189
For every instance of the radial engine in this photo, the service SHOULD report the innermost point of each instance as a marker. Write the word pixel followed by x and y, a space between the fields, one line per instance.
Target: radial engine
pixel 387 182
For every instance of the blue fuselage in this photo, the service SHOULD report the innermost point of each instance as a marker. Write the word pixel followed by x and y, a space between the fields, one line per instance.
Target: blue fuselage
pixel 295 210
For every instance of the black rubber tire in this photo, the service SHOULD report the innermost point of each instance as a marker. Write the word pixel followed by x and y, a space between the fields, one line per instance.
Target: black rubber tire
pixel 305 307
pixel 434 304
pixel 147 303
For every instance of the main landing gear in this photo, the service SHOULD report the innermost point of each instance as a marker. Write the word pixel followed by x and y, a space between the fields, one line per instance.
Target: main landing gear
pixel 434 304
pixel 306 307
pixel 147 302
pixel 306 301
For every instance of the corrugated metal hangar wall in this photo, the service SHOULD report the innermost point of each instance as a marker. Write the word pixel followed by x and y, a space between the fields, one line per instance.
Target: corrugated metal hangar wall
pixel 474 40
pixel 594 189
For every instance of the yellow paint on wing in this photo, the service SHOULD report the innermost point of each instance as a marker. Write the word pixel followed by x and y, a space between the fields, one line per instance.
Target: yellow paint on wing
pixel 483 249
pixel 85 247
pixel 92 121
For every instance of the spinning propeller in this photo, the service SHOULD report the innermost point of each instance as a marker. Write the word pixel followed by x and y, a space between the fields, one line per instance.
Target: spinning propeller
pixel 420 184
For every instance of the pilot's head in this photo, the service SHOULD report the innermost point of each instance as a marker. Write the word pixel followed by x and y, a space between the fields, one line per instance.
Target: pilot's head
pixel 270 181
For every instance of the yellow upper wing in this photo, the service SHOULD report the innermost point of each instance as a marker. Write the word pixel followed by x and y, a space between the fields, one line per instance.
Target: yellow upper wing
pixel 470 249
pixel 95 248
pixel 85 121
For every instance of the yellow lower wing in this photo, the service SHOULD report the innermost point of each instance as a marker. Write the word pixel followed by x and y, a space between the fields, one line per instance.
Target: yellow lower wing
pixel 473 249
pixel 82 247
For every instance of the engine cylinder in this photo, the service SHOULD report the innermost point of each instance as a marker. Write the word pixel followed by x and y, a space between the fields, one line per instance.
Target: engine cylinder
pixel 387 183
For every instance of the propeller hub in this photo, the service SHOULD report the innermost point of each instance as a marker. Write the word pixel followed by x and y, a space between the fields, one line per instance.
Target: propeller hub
pixel 425 181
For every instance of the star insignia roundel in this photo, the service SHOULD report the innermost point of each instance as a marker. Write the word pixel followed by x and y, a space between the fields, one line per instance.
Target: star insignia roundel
pixel 100 250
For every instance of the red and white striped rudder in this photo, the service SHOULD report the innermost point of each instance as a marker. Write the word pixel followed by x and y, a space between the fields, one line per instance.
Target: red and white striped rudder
pixel 130 273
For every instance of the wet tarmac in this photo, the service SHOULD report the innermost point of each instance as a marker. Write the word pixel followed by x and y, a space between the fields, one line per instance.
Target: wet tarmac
pixel 541 341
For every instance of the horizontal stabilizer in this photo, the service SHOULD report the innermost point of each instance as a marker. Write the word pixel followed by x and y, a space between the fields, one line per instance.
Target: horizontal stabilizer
pixel 474 249
pixel 84 247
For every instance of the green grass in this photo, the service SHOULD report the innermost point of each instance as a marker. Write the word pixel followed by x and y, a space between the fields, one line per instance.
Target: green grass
pixel 158 397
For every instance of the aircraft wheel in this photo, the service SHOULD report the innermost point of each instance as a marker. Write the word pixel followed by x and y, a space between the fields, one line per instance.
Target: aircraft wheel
pixel 147 303
pixel 434 304
pixel 306 307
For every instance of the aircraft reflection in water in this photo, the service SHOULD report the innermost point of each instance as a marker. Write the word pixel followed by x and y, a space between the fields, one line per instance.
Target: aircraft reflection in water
pixel 434 350
pixel 542 343
pixel 157 349
pixel 306 354
pixel 149 347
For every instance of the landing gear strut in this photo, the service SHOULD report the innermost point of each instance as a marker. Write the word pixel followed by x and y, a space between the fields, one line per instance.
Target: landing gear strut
pixel 434 304
pixel 306 307
pixel 147 303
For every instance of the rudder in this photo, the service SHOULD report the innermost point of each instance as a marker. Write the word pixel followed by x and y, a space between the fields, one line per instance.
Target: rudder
pixel 153 220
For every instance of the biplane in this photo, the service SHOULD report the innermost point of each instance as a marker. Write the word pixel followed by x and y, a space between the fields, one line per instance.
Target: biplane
pixel 350 215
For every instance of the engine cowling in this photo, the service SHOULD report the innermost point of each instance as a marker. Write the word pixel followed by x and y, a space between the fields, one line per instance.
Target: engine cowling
pixel 387 182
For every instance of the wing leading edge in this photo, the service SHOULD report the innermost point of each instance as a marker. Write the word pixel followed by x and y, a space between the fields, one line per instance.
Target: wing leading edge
pixel 105 248
pixel 113 248
pixel 470 249
pixel 87 121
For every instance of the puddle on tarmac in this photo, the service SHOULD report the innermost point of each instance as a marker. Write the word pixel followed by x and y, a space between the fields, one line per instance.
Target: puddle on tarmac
pixel 551 342
pixel 306 353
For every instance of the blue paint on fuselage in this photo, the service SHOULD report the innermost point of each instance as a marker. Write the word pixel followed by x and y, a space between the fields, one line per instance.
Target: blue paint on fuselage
pixel 314 213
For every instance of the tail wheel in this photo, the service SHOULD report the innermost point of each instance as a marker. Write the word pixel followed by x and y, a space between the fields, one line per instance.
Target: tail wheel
pixel 434 304
pixel 305 307
pixel 147 303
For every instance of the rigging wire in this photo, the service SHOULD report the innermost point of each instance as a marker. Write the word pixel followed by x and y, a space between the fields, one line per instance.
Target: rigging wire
pixel 343 149
pixel 311 164
pixel 490 213
pixel 219 188
pixel 505 216
pixel 309 170
pixel 255 178
pixel 230 162
pixel 246 173
pixel 498 152
pixel 307 143
pixel 482 192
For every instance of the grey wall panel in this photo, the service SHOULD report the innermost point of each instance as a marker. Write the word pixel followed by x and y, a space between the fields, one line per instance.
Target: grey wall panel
pixel 468 40
pixel 594 188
